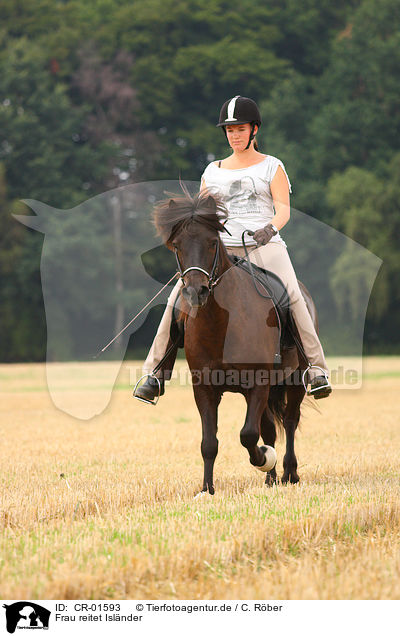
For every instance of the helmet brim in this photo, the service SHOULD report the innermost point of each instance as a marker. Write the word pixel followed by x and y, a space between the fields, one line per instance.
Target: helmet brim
pixel 237 123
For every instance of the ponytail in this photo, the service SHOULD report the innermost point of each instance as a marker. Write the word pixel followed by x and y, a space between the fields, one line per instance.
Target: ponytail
pixel 255 123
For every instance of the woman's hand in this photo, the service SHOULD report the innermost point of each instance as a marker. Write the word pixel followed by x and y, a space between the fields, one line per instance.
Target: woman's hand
pixel 262 237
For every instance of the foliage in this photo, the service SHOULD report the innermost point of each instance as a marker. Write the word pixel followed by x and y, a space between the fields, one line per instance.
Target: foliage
pixel 99 93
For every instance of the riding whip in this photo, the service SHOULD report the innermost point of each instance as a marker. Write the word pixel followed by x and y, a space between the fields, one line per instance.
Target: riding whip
pixel 137 315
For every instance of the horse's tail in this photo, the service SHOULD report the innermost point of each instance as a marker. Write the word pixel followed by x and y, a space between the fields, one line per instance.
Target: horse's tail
pixel 277 403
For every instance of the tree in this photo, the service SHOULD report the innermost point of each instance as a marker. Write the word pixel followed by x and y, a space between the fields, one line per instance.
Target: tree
pixel 367 210
pixel 189 55
pixel 105 88
pixel 42 157
pixel 359 119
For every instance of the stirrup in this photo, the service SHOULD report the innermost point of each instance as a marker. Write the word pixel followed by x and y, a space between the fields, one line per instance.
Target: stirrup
pixel 147 375
pixel 312 366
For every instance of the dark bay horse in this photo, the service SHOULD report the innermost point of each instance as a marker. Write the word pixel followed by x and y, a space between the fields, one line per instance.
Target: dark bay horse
pixel 230 333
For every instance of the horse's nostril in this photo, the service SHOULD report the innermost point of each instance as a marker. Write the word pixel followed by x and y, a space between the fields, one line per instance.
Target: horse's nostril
pixel 190 294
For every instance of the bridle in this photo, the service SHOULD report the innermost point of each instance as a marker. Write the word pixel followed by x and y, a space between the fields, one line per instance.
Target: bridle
pixel 212 280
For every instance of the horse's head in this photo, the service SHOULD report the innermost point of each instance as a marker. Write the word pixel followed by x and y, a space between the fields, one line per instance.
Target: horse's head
pixel 189 227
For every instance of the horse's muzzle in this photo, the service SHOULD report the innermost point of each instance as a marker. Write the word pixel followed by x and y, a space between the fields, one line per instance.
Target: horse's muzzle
pixel 196 297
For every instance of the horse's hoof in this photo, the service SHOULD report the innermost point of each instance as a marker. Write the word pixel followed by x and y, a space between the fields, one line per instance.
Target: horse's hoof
pixel 270 459
pixel 202 493
pixel 291 478
pixel 270 480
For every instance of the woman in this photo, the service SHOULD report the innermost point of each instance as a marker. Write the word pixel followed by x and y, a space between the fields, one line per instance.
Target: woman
pixel 255 190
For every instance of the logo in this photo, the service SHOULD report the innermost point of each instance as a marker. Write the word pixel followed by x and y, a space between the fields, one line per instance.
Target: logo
pixel 26 615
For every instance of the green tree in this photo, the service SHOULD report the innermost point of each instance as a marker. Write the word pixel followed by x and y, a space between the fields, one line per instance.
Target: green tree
pixel 367 210
pixel 189 57
pixel 358 122
pixel 45 155
pixel 42 157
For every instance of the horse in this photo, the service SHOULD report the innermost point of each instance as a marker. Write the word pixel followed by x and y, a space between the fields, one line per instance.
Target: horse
pixel 191 227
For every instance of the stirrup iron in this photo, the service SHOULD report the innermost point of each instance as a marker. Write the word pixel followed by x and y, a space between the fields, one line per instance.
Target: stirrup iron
pixel 312 366
pixel 147 375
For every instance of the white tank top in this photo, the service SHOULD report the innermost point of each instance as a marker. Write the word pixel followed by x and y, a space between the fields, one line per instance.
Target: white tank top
pixel 247 196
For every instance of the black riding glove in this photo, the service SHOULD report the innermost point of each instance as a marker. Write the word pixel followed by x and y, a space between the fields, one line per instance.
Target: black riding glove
pixel 262 237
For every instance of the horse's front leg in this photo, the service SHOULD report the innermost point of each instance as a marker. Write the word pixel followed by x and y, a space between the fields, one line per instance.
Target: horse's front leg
pixel 257 399
pixel 268 433
pixel 207 403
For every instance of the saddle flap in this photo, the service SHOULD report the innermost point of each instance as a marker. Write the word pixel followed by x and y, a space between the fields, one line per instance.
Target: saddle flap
pixel 276 290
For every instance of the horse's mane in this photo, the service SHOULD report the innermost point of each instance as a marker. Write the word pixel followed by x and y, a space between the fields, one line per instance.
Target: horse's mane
pixel 175 214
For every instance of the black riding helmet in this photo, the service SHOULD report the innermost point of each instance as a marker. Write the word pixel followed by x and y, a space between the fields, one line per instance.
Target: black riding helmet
pixel 240 110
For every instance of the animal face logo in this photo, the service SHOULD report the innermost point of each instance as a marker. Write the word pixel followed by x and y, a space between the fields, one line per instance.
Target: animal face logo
pixel 26 615
pixel 100 266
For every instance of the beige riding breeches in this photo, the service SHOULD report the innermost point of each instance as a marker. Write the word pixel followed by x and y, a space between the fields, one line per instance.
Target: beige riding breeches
pixel 274 257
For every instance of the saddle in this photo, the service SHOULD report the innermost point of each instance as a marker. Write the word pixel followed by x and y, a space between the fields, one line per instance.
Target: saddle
pixel 274 288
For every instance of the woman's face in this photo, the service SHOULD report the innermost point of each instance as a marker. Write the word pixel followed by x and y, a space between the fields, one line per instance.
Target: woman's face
pixel 238 136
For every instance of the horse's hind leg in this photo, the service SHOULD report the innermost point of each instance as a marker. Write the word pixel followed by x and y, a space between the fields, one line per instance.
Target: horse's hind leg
pixel 268 433
pixel 295 395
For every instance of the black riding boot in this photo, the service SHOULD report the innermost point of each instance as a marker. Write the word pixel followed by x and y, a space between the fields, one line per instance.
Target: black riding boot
pixel 150 389
pixel 320 387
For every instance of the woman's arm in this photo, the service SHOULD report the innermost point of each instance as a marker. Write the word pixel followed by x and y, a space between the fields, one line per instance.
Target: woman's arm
pixel 280 195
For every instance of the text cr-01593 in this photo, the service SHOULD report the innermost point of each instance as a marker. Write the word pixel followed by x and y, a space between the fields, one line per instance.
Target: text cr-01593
pixel 99 607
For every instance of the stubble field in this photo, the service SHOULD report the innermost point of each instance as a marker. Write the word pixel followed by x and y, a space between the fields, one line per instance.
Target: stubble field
pixel 105 509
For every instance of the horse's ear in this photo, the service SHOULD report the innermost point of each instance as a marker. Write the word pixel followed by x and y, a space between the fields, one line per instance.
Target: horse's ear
pixel 172 204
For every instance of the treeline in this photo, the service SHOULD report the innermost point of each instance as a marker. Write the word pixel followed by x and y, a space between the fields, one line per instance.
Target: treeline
pixel 95 94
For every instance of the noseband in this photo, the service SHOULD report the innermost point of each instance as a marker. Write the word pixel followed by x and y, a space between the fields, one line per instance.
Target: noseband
pixel 211 276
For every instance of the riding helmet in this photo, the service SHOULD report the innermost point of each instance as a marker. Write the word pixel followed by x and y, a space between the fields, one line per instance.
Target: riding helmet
pixel 239 110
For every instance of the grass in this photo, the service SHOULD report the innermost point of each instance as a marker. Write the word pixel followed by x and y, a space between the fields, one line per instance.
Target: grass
pixel 122 521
